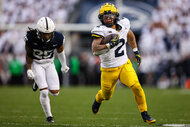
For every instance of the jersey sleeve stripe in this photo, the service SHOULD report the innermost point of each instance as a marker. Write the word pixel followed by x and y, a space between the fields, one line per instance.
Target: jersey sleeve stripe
pixel 96 35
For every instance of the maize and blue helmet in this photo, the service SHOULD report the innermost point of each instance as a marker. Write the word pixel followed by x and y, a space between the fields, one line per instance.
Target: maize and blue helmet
pixel 108 14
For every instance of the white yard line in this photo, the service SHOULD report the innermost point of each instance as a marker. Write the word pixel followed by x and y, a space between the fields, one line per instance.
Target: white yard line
pixel 175 125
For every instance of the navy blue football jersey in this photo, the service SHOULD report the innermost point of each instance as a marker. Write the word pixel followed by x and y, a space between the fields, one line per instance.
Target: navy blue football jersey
pixel 40 49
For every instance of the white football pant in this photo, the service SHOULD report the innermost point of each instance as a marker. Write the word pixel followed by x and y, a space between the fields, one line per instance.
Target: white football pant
pixel 45 75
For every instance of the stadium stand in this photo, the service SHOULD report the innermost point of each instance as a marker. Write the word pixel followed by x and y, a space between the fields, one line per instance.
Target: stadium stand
pixel 163 43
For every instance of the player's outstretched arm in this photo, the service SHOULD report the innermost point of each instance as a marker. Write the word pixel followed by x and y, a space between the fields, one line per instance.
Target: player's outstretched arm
pixel 62 59
pixel 132 42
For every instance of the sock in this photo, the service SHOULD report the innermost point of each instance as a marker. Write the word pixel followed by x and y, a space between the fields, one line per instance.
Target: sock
pixel 45 102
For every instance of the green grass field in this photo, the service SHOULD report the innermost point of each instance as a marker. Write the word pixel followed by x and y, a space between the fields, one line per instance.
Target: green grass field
pixel 20 107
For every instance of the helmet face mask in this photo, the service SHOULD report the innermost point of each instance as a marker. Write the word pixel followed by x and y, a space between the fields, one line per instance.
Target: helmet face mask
pixel 108 19
pixel 45 37
pixel 45 29
pixel 108 14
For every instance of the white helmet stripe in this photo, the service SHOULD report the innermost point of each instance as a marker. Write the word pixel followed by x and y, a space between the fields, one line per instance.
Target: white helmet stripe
pixel 46 23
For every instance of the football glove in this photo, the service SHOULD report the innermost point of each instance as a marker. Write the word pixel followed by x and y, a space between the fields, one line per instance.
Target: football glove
pixel 138 57
pixel 30 74
pixel 113 42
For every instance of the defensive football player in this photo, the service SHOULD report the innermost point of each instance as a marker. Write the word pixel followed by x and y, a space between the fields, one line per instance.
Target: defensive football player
pixel 115 64
pixel 40 44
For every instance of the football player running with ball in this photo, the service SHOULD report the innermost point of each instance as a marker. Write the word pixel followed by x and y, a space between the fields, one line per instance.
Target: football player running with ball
pixel 40 46
pixel 115 64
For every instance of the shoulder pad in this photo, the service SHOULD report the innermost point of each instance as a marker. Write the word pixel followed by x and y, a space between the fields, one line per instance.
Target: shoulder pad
pixel 124 22
pixel 58 35
pixel 97 31
pixel 59 38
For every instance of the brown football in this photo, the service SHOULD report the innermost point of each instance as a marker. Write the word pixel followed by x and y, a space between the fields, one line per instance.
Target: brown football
pixel 107 39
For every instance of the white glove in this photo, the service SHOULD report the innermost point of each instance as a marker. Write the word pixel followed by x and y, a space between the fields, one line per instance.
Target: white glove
pixel 30 74
pixel 65 69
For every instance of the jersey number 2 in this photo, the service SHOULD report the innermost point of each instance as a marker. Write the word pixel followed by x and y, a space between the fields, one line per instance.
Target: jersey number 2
pixel 119 53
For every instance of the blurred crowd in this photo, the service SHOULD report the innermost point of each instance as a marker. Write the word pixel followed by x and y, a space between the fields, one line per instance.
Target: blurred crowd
pixel 22 11
pixel 164 45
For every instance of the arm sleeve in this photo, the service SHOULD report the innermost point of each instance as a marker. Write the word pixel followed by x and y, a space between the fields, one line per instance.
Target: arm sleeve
pixel 62 58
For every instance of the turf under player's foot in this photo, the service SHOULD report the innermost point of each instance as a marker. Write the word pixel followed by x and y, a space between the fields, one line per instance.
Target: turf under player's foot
pixel 34 87
pixel 147 118
pixel 50 119
pixel 95 107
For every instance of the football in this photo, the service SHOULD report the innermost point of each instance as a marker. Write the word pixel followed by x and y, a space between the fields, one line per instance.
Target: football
pixel 107 39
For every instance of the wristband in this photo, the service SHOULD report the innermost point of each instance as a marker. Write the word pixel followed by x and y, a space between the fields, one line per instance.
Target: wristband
pixel 135 49
pixel 108 45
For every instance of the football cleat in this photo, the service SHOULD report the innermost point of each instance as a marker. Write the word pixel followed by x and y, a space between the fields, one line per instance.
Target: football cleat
pixel 147 118
pixel 95 107
pixel 50 119
pixel 34 87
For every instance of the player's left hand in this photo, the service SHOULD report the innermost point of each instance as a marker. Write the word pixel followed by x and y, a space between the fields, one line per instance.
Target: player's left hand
pixel 65 69
pixel 30 74
pixel 113 42
pixel 138 57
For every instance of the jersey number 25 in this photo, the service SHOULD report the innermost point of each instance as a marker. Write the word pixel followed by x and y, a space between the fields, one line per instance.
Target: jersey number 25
pixel 39 54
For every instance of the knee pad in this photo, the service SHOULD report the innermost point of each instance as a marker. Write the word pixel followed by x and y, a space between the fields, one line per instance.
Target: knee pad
pixel 44 93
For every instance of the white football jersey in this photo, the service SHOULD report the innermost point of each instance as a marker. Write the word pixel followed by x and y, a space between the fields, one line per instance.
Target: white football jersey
pixel 116 56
